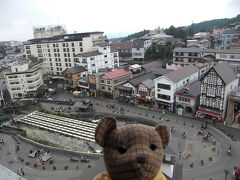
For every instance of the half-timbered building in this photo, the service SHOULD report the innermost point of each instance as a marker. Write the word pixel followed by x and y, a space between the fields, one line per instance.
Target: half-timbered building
pixel 216 85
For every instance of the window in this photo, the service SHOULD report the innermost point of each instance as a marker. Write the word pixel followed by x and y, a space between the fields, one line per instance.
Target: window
pixel 66 64
pixel 105 56
pixel 80 43
pixel 63 44
pixel 109 82
pixel 109 89
pixel 72 44
pixel 164 97
pixel 92 58
pixel 164 86
pixel 104 48
pixel 93 65
pixel 106 62
pixel 65 59
pixel 27 47
pixel 102 81
pixel 81 49
pixel 53 45
pixel 73 49
pixel 183 99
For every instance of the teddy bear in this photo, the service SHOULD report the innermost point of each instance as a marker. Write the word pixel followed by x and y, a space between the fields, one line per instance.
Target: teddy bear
pixel 131 152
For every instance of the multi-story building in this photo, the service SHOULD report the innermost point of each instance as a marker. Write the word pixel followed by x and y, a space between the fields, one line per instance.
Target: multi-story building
pixel 185 56
pixel 139 48
pixel 72 75
pixel 229 56
pixel 49 31
pixel 2 89
pixel 24 79
pixel 140 89
pixel 167 85
pixel 108 82
pixel 58 52
pixel 229 39
pixel 93 83
pixel 216 85
pixel 187 99
pixel 100 58
pixel 124 50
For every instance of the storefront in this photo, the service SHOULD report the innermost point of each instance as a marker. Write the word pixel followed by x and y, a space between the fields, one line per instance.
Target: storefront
pixel 207 114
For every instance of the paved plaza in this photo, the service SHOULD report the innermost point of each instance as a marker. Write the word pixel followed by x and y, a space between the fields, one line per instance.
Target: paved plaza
pixel 201 159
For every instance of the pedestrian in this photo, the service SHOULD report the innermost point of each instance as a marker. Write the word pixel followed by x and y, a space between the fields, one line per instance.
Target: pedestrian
pixel 229 153
pixel 180 155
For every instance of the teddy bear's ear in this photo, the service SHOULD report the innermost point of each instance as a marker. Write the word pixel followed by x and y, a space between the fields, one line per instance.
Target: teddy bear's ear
pixel 105 126
pixel 163 132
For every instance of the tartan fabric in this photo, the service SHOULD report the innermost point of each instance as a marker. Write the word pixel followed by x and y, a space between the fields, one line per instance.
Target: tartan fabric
pixel 131 152
pixel 105 176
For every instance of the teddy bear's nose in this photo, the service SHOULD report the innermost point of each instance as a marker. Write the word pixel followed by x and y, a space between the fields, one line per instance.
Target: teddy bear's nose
pixel 141 159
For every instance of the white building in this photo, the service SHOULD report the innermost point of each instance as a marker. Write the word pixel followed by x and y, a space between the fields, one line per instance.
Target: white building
pixel 168 84
pixel 229 56
pixel 24 79
pixel 58 52
pixel 100 58
pixel 49 31
pixel 139 48
pixel 2 88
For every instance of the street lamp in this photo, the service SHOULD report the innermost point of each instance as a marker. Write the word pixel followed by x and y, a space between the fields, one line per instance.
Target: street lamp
pixel 226 173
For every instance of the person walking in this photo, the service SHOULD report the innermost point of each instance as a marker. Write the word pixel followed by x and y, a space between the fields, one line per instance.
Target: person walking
pixel 229 153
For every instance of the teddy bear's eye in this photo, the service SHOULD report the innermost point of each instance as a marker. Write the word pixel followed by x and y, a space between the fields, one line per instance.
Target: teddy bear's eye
pixel 153 147
pixel 122 149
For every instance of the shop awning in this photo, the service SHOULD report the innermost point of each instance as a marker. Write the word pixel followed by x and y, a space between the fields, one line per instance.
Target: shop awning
pixel 209 113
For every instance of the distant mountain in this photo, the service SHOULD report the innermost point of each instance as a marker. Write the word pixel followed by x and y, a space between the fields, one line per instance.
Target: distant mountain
pixel 182 32
pixel 130 37
pixel 208 25
pixel 116 39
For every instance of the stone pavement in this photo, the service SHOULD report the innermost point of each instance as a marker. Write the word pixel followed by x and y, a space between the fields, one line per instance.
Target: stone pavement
pixel 193 145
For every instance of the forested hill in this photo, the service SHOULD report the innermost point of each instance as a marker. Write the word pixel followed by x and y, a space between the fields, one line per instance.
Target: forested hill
pixel 208 25
pixel 130 37
pixel 182 32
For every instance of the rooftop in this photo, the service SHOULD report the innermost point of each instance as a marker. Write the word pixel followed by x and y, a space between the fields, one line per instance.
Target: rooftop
pixel 88 54
pixel 225 71
pixel 231 31
pixel 137 80
pixel 227 51
pixel 62 38
pixel 194 89
pixel 194 50
pixel 118 73
pixel 121 45
pixel 76 69
pixel 177 75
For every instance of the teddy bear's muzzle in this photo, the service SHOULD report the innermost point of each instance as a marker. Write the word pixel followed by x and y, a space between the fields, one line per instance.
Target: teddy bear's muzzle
pixel 141 159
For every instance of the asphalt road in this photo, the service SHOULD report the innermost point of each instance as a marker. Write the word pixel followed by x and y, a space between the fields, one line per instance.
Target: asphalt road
pixel 214 170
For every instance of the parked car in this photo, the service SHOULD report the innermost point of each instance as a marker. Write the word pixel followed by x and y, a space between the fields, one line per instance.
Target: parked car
pixel 85 160
pixel 74 159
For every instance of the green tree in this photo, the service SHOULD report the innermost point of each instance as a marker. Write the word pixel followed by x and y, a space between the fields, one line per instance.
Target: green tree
pixel 17 50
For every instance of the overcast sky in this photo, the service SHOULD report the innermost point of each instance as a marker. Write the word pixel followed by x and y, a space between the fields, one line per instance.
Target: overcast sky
pixel 115 18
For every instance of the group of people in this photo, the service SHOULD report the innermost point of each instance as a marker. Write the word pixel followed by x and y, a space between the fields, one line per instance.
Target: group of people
pixel 20 172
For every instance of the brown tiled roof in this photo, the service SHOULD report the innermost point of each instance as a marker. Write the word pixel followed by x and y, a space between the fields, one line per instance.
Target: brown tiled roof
pixel 177 75
pixel 88 54
pixel 121 45
pixel 102 44
pixel 152 65
pixel 76 69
